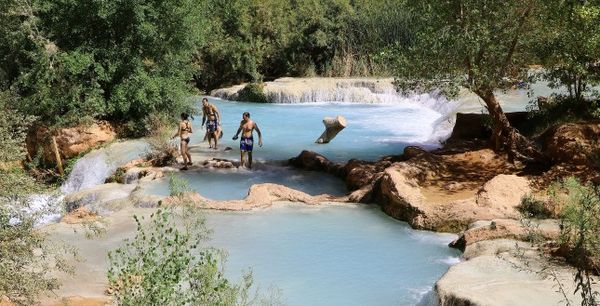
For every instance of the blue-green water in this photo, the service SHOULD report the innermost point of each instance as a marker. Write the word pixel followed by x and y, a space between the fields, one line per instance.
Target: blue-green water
pixel 333 255
pixel 374 130
pixel 233 184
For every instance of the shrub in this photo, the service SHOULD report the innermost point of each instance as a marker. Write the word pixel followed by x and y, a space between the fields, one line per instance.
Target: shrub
pixel 26 259
pixel 580 232
pixel 252 92
pixel 531 207
pixel 163 151
pixel 166 263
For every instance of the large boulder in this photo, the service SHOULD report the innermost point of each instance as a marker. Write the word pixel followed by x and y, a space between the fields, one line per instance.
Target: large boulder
pixel 504 192
pixel 506 228
pixel 359 173
pixel 309 160
pixel 70 141
pixel 505 272
pixel 575 143
pixel 400 192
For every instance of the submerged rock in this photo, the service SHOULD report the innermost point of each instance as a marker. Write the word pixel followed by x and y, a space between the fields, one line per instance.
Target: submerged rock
pixel 80 215
pixel 259 196
pixel 101 198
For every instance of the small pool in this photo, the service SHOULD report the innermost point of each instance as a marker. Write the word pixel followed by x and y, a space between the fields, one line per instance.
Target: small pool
pixel 333 255
pixel 233 184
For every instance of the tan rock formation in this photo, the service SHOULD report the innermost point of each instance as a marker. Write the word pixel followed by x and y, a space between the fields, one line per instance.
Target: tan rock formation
pixel 259 196
pixel 80 215
pixel 506 228
pixel 503 192
pixel 572 143
pixel 70 141
pixel 401 195
pixel 496 273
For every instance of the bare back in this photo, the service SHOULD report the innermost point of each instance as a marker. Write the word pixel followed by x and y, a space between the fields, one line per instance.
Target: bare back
pixel 185 128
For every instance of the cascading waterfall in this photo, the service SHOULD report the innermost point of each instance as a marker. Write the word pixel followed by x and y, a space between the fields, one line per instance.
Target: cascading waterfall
pixel 89 171
pixel 94 168
pixel 364 91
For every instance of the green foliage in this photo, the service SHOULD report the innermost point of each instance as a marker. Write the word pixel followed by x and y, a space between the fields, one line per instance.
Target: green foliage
pixel 118 60
pixel 13 129
pixel 478 45
pixel 167 264
pixel 163 151
pixel 26 258
pixel 530 207
pixel 569 45
pixel 252 92
pixel 178 187
pixel 250 40
pixel 581 232
pixel 559 109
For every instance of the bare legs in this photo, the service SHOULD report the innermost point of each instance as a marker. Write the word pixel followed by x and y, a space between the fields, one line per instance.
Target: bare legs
pixel 243 159
pixel 213 136
pixel 185 153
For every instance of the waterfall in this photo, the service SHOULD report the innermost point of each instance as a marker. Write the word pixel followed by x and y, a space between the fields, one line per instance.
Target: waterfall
pixel 95 167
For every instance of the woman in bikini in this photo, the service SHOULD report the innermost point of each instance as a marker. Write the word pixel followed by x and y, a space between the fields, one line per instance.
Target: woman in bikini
pixel 184 131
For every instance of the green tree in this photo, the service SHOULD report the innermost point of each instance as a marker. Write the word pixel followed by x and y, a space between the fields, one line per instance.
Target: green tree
pixel 569 45
pixel 480 45
pixel 115 60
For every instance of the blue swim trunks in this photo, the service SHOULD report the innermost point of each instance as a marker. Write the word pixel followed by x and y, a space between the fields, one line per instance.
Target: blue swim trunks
pixel 211 125
pixel 246 144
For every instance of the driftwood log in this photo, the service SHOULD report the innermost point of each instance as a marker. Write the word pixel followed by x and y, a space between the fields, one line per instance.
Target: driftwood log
pixel 332 127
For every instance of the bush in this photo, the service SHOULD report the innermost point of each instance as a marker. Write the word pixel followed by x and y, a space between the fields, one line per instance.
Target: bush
pixel 167 264
pixel 580 233
pixel 163 151
pixel 531 207
pixel 252 92
pixel 26 259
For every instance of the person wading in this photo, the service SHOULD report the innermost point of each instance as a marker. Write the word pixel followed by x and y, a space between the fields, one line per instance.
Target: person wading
pixel 184 131
pixel 213 125
pixel 247 128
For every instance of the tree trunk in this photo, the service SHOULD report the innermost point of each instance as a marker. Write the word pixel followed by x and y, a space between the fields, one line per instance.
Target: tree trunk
pixel 332 127
pixel 504 136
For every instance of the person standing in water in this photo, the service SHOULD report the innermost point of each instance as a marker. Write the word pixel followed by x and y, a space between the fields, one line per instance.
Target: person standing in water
pixel 213 125
pixel 184 131
pixel 247 128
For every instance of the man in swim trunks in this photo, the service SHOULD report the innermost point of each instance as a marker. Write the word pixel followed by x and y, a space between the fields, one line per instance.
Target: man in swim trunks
pixel 213 125
pixel 247 126
pixel 184 131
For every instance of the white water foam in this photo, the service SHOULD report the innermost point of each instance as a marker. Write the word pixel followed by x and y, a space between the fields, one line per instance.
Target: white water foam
pixel 94 168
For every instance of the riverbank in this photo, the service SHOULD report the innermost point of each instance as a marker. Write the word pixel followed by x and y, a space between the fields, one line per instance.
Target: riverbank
pixel 450 189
